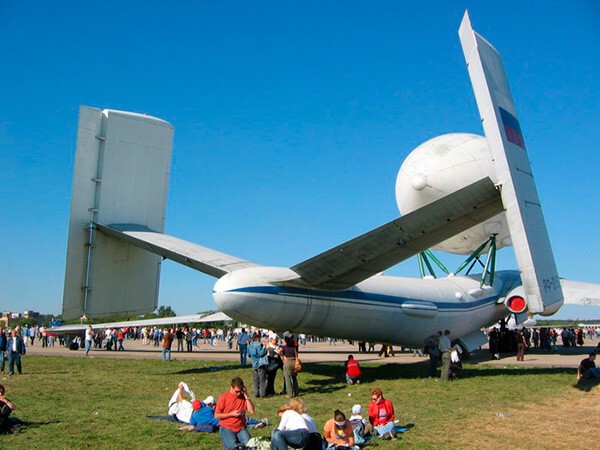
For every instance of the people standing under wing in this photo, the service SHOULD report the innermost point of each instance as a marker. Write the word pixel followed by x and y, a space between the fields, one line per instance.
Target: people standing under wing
pixel 242 341
pixel 275 363
pixel 521 345
pixel 167 342
pixel 179 334
pixel 15 347
pixel 89 338
pixel 289 353
pixel 445 347
pixel 260 360
pixel 432 347
pixel 3 355
pixel 231 413
pixel 189 337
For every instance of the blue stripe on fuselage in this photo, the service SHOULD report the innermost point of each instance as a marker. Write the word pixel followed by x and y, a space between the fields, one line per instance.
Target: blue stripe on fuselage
pixel 359 297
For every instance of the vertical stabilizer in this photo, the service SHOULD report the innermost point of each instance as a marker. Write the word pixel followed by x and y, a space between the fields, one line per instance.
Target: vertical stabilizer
pixel 121 175
pixel 519 194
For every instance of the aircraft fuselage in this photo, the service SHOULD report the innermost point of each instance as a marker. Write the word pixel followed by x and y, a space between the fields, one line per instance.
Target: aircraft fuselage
pixel 394 310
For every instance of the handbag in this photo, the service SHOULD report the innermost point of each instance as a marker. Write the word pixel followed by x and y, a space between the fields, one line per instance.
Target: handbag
pixel 298 365
pixel 273 366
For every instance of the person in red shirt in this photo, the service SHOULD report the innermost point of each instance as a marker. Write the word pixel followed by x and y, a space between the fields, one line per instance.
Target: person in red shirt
pixel 381 415
pixel 231 412
pixel 352 369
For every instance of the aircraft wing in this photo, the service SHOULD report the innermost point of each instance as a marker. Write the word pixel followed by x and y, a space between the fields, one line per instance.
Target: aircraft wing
pixel 362 257
pixel 159 321
pixel 197 257
pixel 580 293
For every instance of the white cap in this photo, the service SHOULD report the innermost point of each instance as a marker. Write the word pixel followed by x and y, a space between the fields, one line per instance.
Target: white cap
pixel 356 409
pixel 210 400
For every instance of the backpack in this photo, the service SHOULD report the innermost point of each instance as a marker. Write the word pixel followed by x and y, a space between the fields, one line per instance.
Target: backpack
pixel 258 443
pixel 358 429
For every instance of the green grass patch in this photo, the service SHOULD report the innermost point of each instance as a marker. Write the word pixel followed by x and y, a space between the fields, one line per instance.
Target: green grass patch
pixel 104 403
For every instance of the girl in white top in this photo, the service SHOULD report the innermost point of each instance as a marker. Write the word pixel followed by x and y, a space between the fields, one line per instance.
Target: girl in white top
pixel 292 430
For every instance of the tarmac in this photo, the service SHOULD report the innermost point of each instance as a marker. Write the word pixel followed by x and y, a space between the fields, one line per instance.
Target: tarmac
pixel 324 352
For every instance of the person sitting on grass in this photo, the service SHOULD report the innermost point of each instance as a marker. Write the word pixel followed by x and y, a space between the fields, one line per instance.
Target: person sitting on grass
pixel 231 411
pixel 381 415
pixel 203 418
pixel 338 432
pixel 352 370
pixel 360 427
pixel 292 430
pixel 7 424
pixel 587 369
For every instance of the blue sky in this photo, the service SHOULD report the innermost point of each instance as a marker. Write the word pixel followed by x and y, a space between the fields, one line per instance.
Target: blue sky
pixel 291 121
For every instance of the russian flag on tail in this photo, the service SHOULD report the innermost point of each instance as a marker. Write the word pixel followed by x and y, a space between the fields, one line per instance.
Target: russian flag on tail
pixel 512 128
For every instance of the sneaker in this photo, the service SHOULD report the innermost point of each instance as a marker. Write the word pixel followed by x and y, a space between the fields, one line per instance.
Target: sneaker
pixel 263 423
pixel 386 436
pixel 393 433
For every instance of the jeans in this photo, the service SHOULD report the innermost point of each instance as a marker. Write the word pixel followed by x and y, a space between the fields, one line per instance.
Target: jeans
pixel 433 361
pixel 382 429
pixel 594 372
pixel 260 381
pixel 282 439
pixel 88 346
pixel 243 354
pixel 165 352
pixel 2 361
pixel 230 439
pixel 14 358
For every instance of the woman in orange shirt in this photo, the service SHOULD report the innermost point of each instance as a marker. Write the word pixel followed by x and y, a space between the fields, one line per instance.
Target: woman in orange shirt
pixel 338 432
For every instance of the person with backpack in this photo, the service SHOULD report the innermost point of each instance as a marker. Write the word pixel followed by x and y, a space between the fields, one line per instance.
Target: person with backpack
pixel 360 427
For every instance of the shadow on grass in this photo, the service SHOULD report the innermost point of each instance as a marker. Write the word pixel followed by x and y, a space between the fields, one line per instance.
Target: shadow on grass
pixel 333 372
pixel 17 425
pixel 200 370
pixel 586 385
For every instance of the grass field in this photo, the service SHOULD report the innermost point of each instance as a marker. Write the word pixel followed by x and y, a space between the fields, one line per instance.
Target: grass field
pixel 74 403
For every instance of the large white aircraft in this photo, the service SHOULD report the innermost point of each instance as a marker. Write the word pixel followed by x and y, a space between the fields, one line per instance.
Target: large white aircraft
pixel 460 193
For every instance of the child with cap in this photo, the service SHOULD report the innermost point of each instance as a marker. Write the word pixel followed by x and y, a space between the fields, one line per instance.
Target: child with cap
pixel 360 427
pixel 203 417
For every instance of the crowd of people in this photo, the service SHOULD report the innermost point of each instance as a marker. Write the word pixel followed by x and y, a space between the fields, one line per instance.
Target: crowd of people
pixel 229 416
pixel 519 341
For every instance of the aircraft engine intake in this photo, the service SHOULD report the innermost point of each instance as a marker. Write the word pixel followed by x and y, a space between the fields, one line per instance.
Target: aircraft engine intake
pixel 516 300
pixel 516 304
pixel 441 166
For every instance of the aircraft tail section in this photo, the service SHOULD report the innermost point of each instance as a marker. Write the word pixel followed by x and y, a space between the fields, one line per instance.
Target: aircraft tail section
pixel 121 175
pixel 513 172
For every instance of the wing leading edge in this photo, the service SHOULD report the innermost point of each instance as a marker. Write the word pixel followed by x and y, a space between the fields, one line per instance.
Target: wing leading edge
pixel 360 258
pixel 203 259
pixel 158 321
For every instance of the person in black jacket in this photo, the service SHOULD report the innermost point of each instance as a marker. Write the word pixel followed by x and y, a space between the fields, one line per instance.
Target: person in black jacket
pixel 15 347
pixel 2 350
